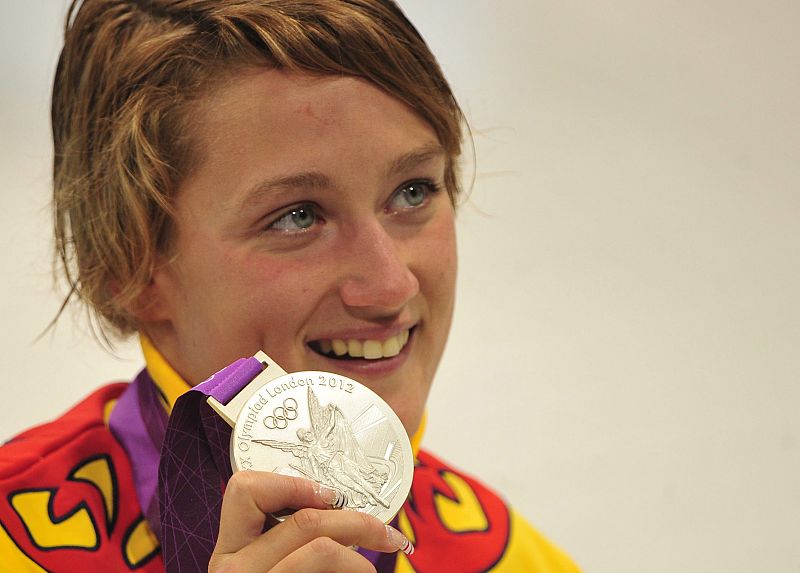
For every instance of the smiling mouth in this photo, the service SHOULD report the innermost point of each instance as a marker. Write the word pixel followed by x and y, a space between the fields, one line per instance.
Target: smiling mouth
pixel 367 349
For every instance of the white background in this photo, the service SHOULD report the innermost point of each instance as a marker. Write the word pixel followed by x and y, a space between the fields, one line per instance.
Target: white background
pixel 624 362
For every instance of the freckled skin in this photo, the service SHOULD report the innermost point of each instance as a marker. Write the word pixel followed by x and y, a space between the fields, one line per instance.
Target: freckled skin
pixel 233 287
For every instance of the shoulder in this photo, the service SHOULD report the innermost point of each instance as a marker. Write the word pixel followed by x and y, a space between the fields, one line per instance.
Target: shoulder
pixel 66 493
pixel 454 519
pixel 41 445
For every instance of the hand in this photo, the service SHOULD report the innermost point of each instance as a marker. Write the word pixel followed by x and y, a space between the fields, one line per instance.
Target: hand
pixel 315 539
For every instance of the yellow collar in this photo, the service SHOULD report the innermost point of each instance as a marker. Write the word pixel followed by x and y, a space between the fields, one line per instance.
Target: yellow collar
pixel 171 385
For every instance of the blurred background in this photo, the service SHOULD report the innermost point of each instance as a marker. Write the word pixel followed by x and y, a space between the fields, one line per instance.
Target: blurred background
pixel 625 356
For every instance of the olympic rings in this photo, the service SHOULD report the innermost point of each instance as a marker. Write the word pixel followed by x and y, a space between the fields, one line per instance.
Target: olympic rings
pixel 282 415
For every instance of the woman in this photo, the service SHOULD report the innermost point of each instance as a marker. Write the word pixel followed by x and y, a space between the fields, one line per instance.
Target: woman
pixel 235 176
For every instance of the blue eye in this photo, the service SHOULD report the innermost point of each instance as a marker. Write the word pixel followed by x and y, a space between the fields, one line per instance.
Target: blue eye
pixel 413 194
pixel 297 218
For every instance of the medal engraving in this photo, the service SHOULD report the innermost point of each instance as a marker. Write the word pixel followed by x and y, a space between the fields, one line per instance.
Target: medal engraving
pixel 330 429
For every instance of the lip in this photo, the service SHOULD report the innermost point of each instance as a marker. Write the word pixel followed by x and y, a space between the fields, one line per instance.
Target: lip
pixel 370 333
pixel 360 367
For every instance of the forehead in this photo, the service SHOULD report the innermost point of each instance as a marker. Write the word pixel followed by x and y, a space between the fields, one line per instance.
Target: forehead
pixel 268 124
pixel 287 101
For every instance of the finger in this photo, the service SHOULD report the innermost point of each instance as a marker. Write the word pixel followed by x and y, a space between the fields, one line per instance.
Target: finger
pixel 250 495
pixel 324 555
pixel 346 528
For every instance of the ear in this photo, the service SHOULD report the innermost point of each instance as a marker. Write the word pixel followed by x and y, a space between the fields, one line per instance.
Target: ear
pixel 152 304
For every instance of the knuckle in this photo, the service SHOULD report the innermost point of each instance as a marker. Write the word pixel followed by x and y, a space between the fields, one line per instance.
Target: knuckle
pixel 325 547
pixel 370 523
pixel 307 520
pixel 365 521
pixel 295 487
pixel 240 482
pixel 223 566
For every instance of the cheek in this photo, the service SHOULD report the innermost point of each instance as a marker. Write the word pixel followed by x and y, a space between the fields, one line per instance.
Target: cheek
pixel 276 293
pixel 291 278
pixel 441 259
pixel 271 287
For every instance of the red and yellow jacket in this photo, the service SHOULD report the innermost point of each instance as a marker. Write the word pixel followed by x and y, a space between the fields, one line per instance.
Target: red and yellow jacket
pixel 68 503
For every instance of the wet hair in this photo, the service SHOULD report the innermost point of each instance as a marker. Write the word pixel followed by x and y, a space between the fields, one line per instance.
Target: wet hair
pixel 131 73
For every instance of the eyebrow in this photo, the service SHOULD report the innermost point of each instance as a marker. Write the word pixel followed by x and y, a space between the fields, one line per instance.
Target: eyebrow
pixel 412 159
pixel 284 185
pixel 317 180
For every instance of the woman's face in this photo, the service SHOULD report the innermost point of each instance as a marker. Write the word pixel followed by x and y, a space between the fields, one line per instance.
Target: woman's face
pixel 315 224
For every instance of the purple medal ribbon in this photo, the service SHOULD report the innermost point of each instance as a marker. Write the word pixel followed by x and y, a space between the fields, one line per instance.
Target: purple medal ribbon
pixel 139 423
pixel 186 461
pixel 194 468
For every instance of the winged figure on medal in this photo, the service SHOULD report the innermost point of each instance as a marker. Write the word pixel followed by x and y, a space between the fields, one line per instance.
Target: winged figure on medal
pixel 330 454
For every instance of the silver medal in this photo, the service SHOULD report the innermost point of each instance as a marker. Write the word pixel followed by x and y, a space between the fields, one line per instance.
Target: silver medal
pixel 330 429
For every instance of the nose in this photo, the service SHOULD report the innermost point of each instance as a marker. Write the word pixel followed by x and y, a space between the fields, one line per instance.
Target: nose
pixel 377 276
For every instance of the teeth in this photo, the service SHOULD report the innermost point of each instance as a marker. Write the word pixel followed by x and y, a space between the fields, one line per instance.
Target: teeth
pixel 339 347
pixel 391 346
pixel 354 348
pixel 368 349
pixel 373 349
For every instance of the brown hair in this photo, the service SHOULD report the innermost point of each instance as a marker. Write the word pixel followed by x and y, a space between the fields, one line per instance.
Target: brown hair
pixel 126 80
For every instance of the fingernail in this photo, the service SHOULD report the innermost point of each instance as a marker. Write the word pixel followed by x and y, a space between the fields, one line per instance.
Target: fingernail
pixel 326 494
pixel 329 496
pixel 399 541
